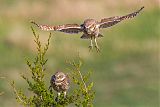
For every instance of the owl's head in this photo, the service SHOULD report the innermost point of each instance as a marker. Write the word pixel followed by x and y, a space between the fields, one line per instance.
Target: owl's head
pixel 89 22
pixel 58 76
pixel 89 25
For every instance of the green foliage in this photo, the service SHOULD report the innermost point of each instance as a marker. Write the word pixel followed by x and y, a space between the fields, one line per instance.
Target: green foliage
pixel 82 95
pixel 83 92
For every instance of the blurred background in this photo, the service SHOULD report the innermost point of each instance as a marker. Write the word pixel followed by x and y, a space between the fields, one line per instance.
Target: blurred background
pixel 125 73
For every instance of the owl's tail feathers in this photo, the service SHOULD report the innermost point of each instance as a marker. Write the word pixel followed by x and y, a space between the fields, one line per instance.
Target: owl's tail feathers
pixel 43 27
pixel 86 36
pixel 100 35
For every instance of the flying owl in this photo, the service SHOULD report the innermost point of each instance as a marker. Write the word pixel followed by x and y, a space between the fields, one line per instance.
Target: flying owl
pixel 60 82
pixel 90 27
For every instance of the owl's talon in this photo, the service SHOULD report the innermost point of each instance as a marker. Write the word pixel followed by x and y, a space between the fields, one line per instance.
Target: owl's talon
pixel 97 49
pixel 90 48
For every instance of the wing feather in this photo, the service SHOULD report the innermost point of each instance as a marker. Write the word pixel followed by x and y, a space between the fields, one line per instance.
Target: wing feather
pixel 44 27
pixel 108 22
pixel 67 28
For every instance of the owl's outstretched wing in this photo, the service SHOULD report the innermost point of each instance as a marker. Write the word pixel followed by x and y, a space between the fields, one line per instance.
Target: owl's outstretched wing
pixel 67 28
pixel 108 22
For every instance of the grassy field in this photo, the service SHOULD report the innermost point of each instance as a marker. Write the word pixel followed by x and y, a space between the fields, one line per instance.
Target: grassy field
pixel 125 73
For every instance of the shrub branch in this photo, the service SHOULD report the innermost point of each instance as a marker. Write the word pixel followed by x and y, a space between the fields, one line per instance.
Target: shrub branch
pixel 82 95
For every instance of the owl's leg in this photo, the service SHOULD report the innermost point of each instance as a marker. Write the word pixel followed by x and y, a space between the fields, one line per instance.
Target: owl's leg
pixel 96 45
pixel 91 45
pixel 65 93
pixel 58 96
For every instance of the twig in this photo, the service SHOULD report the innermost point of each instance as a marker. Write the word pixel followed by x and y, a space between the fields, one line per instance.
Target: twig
pixel 14 89
pixel 82 80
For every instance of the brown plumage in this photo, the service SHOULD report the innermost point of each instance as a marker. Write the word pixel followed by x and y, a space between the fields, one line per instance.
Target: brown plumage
pixel 90 27
pixel 60 82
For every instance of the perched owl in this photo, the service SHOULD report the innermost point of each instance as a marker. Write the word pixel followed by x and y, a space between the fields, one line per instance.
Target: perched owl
pixel 90 27
pixel 60 82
